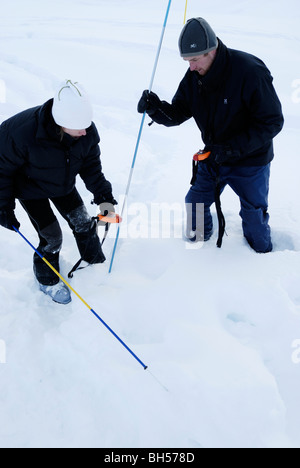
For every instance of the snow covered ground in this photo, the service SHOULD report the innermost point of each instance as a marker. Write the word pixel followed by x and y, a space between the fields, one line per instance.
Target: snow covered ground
pixel 219 329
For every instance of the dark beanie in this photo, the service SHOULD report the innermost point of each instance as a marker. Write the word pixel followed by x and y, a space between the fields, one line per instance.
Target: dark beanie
pixel 197 38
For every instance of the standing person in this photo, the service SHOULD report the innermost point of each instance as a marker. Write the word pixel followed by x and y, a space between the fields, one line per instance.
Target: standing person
pixel 42 150
pixel 230 95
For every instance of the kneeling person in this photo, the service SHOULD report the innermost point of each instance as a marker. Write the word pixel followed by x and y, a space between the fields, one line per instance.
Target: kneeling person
pixel 42 150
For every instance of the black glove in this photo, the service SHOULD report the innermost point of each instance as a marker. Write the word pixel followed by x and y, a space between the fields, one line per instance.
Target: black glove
pixel 221 154
pixel 8 220
pixel 106 204
pixel 149 103
pixel 106 208
pixel 107 198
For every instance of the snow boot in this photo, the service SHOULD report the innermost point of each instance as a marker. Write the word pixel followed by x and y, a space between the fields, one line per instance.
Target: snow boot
pixel 194 236
pixel 59 293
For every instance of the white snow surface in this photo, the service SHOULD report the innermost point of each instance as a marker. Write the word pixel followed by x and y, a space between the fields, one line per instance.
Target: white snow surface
pixel 219 329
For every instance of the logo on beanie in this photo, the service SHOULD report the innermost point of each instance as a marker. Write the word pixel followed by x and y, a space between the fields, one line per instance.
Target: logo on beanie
pixel 193 46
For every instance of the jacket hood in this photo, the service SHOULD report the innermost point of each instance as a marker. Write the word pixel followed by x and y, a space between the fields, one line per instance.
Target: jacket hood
pixel 47 128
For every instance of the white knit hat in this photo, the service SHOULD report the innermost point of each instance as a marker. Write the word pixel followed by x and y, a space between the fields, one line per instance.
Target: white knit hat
pixel 71 107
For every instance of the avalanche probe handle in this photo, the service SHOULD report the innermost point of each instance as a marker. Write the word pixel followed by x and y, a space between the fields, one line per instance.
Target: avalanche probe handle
pixel 201 155
pixel 111 218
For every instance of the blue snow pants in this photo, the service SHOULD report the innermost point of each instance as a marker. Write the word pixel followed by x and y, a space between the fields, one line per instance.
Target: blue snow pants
pixel 251 184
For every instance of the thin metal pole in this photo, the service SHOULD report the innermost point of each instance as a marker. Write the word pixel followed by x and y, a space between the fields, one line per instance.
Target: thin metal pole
pixel 82 300
pixel 184 21
pixel 160 45
pixel 140 135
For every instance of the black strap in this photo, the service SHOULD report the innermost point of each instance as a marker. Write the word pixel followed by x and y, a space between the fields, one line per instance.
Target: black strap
pixel 195 171
pixel 107 226
pixel 76 266
pixel 221 218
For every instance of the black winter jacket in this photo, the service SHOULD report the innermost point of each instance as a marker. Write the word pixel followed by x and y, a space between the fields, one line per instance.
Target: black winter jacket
pixel 35 163
pixel 234 105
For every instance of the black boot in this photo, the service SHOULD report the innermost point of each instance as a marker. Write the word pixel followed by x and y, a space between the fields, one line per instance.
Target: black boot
pixel 43 273
pixel 89 245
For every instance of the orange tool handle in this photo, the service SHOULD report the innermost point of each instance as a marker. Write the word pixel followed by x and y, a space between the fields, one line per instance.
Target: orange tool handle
pixel 201 155
pixel 111 218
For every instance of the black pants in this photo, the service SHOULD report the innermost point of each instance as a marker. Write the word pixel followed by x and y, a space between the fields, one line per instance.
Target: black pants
pixel 72 209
